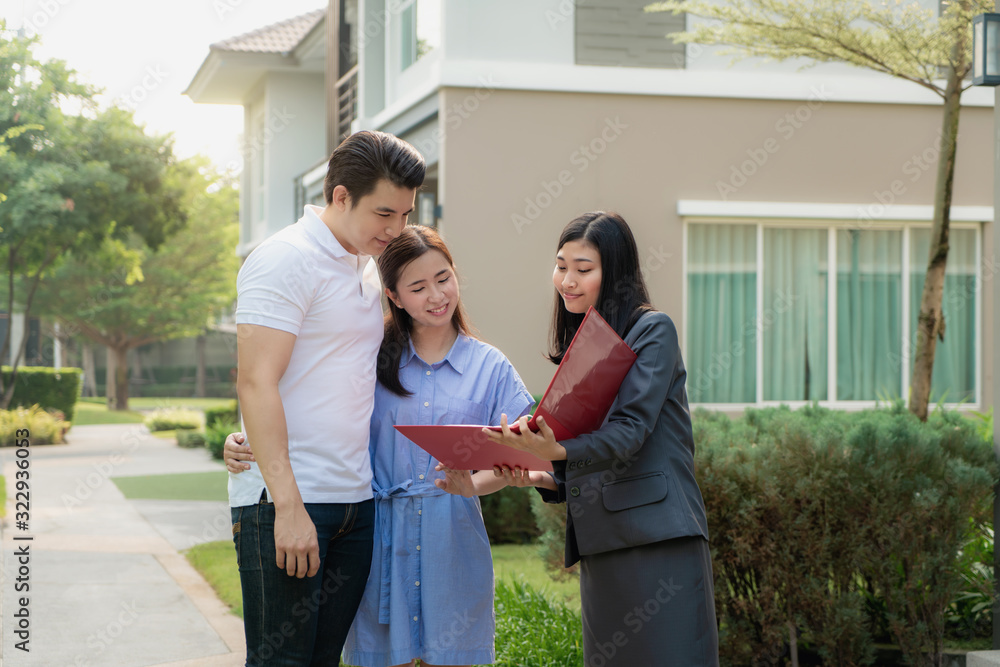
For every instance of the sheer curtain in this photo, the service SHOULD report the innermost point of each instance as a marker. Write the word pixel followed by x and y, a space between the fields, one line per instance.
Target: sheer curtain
pixel 795 314
pixel 954 375
pixel 869 314
pixel 722 296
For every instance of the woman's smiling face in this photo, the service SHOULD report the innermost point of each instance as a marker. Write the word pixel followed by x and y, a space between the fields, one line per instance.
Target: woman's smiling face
pixel 577 275
pixel 428 290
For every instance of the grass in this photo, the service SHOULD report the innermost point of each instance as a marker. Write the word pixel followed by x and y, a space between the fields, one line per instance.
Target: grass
pixel 184 486
pixel 521 562
pixel 87 413
pixel 95 411
pixel 515 565
pixel 217 563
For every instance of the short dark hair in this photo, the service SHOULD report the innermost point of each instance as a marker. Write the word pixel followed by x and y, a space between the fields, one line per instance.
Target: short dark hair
pixel 364 158
pixel 414 241
pixel 623 296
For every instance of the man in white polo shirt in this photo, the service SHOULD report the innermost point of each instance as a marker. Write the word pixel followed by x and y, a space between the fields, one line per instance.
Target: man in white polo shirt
pixel 309 324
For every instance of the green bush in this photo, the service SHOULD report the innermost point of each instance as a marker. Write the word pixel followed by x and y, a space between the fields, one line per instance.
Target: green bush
pixel 50 388
pixel 507 515
pixel 170 419
pixel 43 428
pixel 215 437
pixel 226 413
pixel 551 521
pixel 845 529
pixel 189 438
pixel 533 629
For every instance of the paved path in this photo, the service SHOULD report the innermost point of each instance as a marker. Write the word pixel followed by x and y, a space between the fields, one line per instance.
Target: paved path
pixel 108 587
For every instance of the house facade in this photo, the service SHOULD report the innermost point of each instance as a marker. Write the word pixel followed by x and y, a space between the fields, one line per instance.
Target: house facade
pixel 782 214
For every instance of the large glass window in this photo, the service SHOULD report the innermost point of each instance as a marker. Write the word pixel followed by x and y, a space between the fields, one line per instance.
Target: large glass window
pixel 765 324
pixel 954 375
pixel 420 26
pixel 722 313
pixel 869 313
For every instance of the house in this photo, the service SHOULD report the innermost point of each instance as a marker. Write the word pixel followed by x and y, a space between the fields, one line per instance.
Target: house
pixel 782 214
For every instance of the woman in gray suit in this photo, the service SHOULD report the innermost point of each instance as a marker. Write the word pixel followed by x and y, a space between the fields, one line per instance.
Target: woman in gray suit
pixel 635 516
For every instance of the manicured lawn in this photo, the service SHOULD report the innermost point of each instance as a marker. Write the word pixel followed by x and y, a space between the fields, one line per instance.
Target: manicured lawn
pixel 95 411
pixel 217 563
pixel 3 497
pixel 185 486
pixel 88 412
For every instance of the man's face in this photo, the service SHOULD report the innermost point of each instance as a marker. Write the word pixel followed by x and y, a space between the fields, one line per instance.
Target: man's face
pixel 376 218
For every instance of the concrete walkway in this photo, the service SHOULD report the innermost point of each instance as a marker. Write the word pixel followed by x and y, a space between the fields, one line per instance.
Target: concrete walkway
pixel 107 584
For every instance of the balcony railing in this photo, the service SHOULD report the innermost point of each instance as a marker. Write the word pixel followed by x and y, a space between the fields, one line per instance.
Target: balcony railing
pixel 347 102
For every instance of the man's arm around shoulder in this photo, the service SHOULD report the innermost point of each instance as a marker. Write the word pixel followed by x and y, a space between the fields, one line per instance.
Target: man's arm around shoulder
pixel 263 357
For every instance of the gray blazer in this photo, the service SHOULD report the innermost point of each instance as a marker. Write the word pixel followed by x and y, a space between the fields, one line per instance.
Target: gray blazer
pixel 632 481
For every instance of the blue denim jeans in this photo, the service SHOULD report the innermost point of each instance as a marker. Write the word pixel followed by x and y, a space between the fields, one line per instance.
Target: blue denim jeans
pixel 292 622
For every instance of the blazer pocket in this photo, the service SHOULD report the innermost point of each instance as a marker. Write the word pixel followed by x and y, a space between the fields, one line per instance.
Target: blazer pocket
pixel 635 491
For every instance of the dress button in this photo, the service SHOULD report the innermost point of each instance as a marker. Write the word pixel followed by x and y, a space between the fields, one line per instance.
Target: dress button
pixel 426 404
pixel 418 547
pixel 417 583
pixel 421 477
pixel 575 491
pixel 414 618
pixel 420 511
pixel 428 372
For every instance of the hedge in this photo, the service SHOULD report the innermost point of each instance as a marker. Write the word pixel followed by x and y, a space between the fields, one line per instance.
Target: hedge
pixel 226 413
pixel 832 531
pixel 49 388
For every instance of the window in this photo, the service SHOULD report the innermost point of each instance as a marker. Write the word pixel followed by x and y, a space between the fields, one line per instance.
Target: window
pixel 420 28
pixel 797 313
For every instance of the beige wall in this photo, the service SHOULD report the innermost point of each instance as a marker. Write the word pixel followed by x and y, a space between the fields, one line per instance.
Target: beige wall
pixel 657 150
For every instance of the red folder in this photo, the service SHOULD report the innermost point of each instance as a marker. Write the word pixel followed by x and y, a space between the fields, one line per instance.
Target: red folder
pixel 576 402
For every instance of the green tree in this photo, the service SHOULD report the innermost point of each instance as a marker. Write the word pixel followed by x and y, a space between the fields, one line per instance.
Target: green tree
pixel 899 39
pixel 69 181
pixel 128 293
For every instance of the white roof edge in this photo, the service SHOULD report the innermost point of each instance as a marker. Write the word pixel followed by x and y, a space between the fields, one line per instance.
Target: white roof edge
pixel 695 208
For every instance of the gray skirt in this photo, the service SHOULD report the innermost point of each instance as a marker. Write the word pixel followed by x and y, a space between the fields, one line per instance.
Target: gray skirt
pixel 649 606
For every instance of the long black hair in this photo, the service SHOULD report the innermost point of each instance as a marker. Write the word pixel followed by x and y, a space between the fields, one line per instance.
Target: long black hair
pixel 623 296
pixel 413 242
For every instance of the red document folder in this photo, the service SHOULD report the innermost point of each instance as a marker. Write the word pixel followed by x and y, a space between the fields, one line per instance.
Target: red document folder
pixel 576 402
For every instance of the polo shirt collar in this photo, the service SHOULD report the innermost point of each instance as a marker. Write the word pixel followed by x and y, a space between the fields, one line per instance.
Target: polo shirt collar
pixel 457 357
pixel 320 233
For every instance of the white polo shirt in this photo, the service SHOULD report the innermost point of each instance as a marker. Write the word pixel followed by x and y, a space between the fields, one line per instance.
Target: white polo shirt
pixel 301 280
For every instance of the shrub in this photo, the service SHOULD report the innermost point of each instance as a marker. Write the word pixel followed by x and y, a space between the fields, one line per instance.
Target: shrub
pixel 43 427
pixel 533 629
pixel 831 530
pixel 189 438
pixel 226 413
pixel 551 521
pixel 170 419
pixel 215 437
pixel 49 388
pixel 508 517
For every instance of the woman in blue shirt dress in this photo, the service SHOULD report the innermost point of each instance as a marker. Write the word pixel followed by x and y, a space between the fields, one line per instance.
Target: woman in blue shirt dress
pixel 429 545
pixel 430 592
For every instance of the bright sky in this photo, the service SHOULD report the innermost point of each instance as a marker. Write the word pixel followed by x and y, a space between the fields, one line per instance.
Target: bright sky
pixel 146 53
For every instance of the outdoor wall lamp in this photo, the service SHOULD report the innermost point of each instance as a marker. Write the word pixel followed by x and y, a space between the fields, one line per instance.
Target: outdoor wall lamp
pixel 986 50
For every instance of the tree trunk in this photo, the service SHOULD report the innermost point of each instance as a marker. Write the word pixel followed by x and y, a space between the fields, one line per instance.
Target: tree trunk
pixel 89 371
pixel 110 378
pixel 930 322
pixel 199 376
pixel 121 378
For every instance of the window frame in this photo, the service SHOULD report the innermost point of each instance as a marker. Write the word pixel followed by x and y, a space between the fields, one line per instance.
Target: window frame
pixel 833 225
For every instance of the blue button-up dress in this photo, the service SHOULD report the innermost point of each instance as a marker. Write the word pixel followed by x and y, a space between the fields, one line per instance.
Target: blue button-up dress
pixel 430 591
